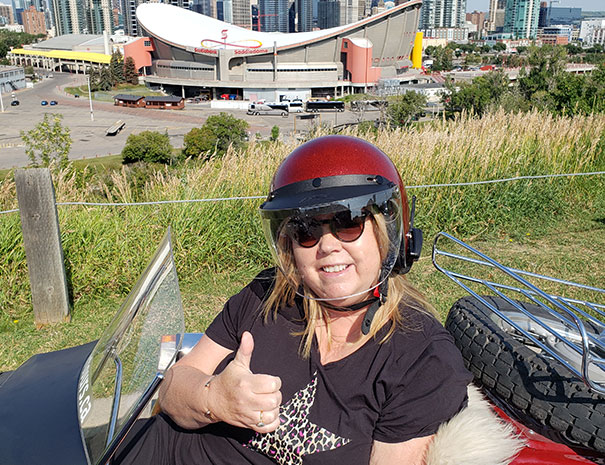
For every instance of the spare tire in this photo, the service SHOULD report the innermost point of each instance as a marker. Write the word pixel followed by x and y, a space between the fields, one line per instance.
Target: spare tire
pixel 539 390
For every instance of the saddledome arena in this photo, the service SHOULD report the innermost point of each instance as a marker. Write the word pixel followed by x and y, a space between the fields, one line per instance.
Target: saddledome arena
pixel 194 54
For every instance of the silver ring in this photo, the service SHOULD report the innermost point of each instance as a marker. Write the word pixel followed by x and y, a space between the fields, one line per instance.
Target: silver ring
pixel 260 424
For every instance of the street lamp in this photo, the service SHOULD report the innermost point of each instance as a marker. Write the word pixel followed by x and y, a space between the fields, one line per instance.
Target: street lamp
pixel 92 118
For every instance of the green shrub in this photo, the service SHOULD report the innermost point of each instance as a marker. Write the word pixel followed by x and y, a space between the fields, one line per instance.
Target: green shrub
pixel 149 146
pixel 215 137
pixel 274 133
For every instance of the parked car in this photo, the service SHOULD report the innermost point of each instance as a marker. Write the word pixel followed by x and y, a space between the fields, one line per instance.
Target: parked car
pixel 14 103
pixel 44 103
pixel 54 102
pixel 74 406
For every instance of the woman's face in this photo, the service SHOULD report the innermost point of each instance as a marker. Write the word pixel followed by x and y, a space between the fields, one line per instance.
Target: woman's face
pixel 333 269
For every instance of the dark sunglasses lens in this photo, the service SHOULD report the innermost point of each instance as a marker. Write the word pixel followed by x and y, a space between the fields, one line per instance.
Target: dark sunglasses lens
pixel 306 233
pixel 347 229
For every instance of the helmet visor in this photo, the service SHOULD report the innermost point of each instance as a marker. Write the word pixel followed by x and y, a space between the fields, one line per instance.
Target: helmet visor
pixel 346 220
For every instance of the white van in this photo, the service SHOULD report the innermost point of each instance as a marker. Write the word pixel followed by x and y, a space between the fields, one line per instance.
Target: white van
pixel 296 106
pixel 268 109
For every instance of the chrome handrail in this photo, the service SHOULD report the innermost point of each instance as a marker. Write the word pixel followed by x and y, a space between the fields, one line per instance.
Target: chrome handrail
pixel 568 311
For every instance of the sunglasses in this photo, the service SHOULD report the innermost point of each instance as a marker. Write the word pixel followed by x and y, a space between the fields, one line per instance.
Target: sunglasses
pixel 307 231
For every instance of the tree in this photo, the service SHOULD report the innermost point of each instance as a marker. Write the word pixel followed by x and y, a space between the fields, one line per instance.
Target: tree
pixel 443 59
pixel 116 68
pixel 215 136
pixel 274 133
pixel 499 47
pixel 476 97
pixel 131 76
pixel 93 76
pixel 546 63
pixel 105 79
pixel 148 146
pixel 405 108
pixel 48 140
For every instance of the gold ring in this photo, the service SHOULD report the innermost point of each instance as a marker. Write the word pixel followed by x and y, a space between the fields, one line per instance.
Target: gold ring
pixel 260 424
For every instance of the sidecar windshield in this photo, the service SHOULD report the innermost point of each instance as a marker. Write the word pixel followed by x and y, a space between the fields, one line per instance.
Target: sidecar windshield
pixel 124 366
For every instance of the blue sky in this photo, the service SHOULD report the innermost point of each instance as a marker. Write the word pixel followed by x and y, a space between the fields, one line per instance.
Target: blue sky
pixel 588 5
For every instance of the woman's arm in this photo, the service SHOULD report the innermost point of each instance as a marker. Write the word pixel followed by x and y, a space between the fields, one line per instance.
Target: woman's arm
pixel 193 398
pixel 409 452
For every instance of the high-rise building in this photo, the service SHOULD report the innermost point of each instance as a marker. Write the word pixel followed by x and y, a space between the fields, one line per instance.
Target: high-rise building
pixel 33 21
pixel 129 16
pixel 328 14
pixel 273 15
pixel 242 13
pixel 477 18
pixel 99 17
pixel 442 14
pixel 592 31
pixel 70 17
pixel 6 12
pixel 349 11
pixel 564 15
pixel 543 15
pixel 496 15
pixel 50 14
pixel 522 18
pixel 204 7
pixel 304 10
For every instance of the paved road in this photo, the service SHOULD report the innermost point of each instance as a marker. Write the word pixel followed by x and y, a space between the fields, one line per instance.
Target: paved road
pixel 88 136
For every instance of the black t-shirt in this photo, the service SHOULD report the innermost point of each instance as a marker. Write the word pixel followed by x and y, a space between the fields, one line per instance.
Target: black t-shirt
pixel 330 414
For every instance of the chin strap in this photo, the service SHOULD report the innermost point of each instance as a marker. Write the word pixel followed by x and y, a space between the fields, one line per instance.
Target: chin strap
pixel 380 297
pixel 380 294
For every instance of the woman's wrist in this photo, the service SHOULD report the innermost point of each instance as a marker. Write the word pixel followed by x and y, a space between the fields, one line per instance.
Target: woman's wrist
pixel 208 413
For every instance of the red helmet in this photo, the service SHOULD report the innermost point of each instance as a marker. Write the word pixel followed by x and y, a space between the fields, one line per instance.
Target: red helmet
pixel 334 174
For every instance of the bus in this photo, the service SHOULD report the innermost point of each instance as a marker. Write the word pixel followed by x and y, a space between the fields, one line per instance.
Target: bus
pixel 313 106
pixel 268 109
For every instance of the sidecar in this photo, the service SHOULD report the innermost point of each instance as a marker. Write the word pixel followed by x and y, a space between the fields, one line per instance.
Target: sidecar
pixel 75 406
pixel 536 347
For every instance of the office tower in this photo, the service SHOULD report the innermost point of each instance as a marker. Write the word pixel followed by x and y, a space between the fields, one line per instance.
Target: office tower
pixel 70 17
pixel 304 10
pixel 204 7
pixel 129 9
pixel 241 13
pixel 564 15
pixel 349 11
pixel 33 21
pixel 328 14
pixel 273 15
pixel 521 19
pixel 543 15
pixel 99 17
pixel 442 14
pixel 6 12
pixel 18 7
pixel 497 12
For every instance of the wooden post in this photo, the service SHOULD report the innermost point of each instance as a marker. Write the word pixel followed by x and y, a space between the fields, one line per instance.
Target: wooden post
pixel 43 250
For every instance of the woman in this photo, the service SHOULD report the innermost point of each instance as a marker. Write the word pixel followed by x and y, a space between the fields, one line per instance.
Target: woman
pixel 332 357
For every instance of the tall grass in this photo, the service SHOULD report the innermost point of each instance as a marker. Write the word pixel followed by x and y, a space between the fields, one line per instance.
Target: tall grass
pixel 107 247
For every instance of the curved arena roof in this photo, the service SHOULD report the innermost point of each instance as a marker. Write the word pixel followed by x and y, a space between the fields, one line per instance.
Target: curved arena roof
pixel 188 29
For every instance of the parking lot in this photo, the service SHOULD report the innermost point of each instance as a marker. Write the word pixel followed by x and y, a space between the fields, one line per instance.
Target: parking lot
pixel 88 129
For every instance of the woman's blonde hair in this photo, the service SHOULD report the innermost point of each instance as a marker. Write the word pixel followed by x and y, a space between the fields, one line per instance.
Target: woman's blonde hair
pixel 288 281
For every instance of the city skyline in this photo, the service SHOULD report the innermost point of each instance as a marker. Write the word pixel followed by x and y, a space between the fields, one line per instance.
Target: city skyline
pixel 587 5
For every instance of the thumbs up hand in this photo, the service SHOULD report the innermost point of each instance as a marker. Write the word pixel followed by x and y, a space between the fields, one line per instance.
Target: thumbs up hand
pixel 241 398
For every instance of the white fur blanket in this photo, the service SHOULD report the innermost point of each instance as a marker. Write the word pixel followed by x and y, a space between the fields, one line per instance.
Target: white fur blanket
pixel 475 436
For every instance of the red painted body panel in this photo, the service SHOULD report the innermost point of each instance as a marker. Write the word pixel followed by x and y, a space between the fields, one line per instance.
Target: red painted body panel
pixel 541 450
